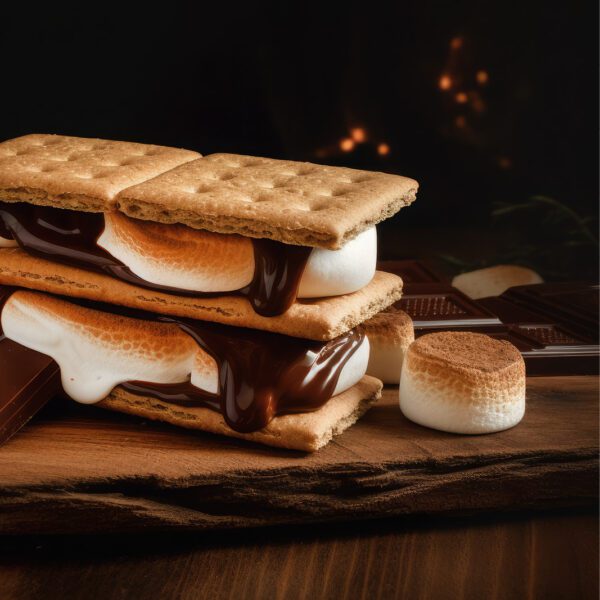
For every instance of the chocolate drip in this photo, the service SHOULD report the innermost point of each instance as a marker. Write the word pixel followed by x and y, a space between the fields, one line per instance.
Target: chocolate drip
pixel 70 237
pixel 261 374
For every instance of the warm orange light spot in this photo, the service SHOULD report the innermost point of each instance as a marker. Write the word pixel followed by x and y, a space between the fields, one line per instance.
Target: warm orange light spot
pixel 460 121
pixel 456 43
pixel 461 97
pixel 358 134
pixel 347 144
pixel 504 162
pixel 482 77
pixel 445 82
pixel 383 149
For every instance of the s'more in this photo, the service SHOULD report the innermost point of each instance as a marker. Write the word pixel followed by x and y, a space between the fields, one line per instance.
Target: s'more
pixel 222 293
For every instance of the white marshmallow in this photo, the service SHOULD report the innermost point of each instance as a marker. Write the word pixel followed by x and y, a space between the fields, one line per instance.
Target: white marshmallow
pixel 493 281
pixel 197 260
pixel 462 383
pixel 355 369
pixel 343 271
pixel 4 243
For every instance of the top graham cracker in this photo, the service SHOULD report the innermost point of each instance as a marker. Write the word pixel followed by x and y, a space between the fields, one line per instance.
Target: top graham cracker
pixel 79 173
pixel 291 202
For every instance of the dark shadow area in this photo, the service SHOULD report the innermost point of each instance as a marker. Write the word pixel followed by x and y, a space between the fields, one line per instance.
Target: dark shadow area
pixel 481 102
pixel 97 548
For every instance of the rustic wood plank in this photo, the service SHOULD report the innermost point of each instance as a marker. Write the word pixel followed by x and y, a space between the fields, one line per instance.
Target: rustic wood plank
pixel 80 469
pixel 539 556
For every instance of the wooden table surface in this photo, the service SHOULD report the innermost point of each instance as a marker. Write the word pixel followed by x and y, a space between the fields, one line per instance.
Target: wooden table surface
pixel 548 555
pixel 87 470
pixel 495 554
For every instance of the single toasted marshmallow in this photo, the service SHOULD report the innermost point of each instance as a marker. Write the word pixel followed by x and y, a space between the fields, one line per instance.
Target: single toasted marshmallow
pixel 196 260
pixel 493 281
pixel 343 271
pixel 179 256
pixel 390 334
pixel 463 382
pixel 96 351
pixel 5 243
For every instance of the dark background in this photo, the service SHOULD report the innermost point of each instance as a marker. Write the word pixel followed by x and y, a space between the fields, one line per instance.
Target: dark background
pixel 294 79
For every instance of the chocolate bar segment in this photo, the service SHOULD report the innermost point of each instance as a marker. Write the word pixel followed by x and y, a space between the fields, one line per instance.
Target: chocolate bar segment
pixel 413 271
pixel 28 380
pixel 440 306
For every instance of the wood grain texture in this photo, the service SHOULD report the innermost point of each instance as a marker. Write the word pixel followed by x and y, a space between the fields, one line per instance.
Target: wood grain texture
pixel 518 557
pixel 85 470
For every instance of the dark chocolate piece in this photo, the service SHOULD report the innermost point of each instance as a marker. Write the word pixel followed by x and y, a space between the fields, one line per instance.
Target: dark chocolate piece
pixel 70 237
pixel 572 305
pixel 438 305
pixel 28 380
pixel 413 272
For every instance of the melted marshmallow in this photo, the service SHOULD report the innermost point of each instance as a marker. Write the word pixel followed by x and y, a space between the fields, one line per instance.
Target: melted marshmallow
pixel 97 351
pixel 92 362
pixel 196 260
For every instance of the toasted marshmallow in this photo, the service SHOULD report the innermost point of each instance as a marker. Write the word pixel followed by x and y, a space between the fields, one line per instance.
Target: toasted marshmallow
pixel 5 243
pixel 179 256
pixel 390 334
pixel 343 271
pixel 205 373
pixel 463 382
pixel 97 351
pixel 493 281
pixel 196 260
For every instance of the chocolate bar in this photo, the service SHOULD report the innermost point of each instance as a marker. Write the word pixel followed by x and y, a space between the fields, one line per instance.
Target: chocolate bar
pixel 554 325
pixel 440 306
pixel 574 306
pixel 413 271
pixel 28 380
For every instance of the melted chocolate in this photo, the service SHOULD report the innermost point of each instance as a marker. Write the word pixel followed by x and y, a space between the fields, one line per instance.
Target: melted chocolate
pixel 70 237
pixel 261 374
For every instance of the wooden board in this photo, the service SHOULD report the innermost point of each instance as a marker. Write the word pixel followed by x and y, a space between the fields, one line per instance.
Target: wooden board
pixel 79 469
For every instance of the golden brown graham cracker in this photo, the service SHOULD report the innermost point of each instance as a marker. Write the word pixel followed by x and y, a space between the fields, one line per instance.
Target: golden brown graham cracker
pixel 291 202
pixel 79 173
pixel 305 431
pixel 321 319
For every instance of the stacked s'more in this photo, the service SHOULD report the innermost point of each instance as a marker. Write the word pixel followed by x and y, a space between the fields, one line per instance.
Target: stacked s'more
pixel 222 293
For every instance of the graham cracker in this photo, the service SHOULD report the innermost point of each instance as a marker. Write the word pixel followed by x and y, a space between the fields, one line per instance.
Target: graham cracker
pixel 291 202
pixel 319 319
pixel 79 173
pixel 305 431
